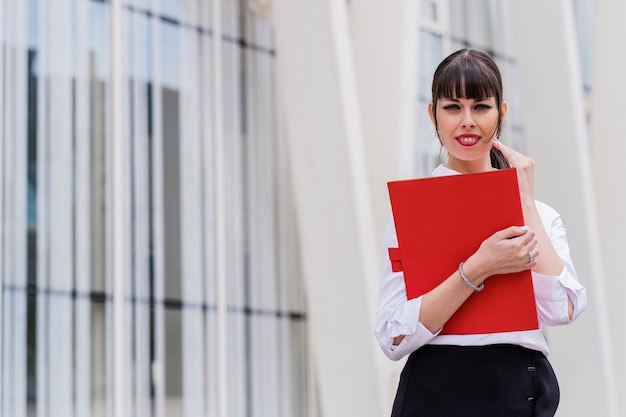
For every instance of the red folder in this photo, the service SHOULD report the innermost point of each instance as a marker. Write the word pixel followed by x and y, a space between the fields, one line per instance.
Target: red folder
pixel 441 222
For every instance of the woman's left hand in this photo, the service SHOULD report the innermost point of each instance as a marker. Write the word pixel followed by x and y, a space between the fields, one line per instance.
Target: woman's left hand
pixel 525 169
pixel 549 263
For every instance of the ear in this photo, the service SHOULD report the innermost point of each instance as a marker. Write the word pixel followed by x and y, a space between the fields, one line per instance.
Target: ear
pixel 431 113
pixel 503 109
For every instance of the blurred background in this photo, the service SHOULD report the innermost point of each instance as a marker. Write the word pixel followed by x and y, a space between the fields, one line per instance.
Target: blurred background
pixel 193 194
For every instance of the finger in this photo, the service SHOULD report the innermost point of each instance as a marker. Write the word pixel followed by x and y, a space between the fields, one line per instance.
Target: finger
pixel 511 232
pixel 502 147
pixel 509 153
pixel 532 256
pixel 527 241
pixel 515 158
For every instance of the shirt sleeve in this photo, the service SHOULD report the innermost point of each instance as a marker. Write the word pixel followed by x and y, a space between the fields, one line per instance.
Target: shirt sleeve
pixel 552 292
pixel 396 315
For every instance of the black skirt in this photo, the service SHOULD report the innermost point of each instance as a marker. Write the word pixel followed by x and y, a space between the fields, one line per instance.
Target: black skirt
pixel 476 381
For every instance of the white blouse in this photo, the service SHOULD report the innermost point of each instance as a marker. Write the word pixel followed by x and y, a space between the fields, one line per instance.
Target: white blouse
pixel 398 316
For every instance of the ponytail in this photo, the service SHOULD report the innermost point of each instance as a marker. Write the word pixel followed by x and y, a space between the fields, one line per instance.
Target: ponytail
pixel 498 161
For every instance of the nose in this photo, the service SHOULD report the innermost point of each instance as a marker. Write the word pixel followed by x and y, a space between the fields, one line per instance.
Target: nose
pixel 468 120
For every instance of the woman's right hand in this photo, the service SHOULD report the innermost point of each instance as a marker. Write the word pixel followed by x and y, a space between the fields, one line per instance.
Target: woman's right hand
pixel 506 251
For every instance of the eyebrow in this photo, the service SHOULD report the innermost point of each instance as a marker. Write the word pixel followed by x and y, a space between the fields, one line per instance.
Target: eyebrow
pixel 456 100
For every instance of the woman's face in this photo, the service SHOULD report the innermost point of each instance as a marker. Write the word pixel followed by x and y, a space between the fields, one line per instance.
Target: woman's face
pixel 466 128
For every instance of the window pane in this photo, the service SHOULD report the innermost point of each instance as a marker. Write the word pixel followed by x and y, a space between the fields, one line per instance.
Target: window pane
pixel 58 190
pixel 429 10
pixel 173 363
pixel 430 55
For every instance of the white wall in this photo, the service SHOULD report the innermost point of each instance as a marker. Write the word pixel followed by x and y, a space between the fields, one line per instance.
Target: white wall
pixel 386 72
pixel 385 66
pixel 348 87
pixel 608 149
pixel 347 83
pixel 318 91
pixel 556 138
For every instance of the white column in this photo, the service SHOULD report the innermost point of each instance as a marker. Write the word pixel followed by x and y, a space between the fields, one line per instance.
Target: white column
pixel 385 61
pixel 2 190
pixel 118 245
pixel 555 135
pixel 14 198
pixel 83 151
pixel 2 194
pixel 608 149
pixel 339 258
pixel 221 240
pixel 59 238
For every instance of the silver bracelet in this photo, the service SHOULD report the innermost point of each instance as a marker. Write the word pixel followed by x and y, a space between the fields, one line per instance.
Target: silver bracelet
pixel 467 281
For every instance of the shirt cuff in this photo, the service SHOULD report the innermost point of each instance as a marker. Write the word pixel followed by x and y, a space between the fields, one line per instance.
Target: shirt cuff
pixel 551 293
pixel 418 338
pixel 407 319
pixel 407 324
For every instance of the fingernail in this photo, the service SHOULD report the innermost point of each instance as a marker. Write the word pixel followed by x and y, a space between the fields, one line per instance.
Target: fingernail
pixel 524 228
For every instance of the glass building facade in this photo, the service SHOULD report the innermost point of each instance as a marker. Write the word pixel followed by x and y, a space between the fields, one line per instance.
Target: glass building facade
pixel 487 25
pixel 148 260
pixel 149 256
pixel 446 26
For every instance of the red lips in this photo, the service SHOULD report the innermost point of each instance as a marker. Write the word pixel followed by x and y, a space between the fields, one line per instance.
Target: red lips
pixel 468 139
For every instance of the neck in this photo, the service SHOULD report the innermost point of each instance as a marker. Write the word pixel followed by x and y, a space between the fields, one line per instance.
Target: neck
pixel 469 167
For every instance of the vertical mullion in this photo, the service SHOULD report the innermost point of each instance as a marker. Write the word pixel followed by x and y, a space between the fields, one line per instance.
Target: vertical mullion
pixel 211 363
pixel 505 12
pixel 267 153
pixel 157 218
pixel 220 213
pixel 191 238
pixel 282 256
pixel 14 358
pixel 444 24
pixel 140 199
pixel 21 198
pixel 259 386
pixel 7 233
pixel 129 82
pixel 61 210
pixel 100 339
pixel 82 261
pixel 2 197
pixel 126 199
pixel 233 181
pixel 117 244
pixel 43 193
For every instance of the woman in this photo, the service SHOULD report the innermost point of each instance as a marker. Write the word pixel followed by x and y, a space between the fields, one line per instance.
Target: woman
pixel 499 374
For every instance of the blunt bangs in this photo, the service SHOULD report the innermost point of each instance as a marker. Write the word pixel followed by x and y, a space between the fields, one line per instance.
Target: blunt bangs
pixel 467 78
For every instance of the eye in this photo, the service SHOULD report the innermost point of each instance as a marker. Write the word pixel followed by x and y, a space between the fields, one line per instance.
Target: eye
pixel 482 107
pixel 451 107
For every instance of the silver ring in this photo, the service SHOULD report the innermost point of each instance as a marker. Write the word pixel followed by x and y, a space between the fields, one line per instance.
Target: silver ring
pixel 531 257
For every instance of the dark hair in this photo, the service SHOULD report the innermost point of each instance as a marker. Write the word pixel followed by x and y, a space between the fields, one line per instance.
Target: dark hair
pixel 468 73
